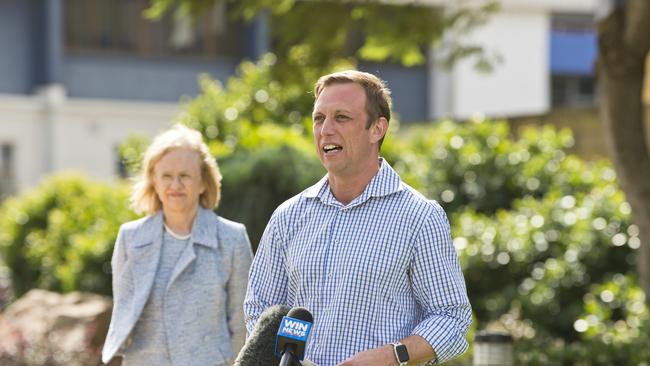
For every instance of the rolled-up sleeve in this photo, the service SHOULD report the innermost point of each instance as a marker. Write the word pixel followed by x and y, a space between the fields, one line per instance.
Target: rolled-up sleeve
pixel 439 287
pixel 267 284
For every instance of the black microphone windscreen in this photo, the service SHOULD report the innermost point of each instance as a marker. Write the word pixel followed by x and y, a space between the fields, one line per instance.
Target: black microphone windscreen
pixel 259 347
pixel 301 313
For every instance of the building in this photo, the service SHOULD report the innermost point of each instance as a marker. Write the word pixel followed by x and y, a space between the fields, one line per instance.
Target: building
pixel 79 76
pixel 547 50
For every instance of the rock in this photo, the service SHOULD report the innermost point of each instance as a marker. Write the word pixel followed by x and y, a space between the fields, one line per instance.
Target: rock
pixel 47 328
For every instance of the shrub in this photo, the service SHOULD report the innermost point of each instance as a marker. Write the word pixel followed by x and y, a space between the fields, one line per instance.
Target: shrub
pixel 256 182
pixel 537 232
pixel 544 254
pixel 254 97
pixel 60 235
pixel 613 330
pixel 478 164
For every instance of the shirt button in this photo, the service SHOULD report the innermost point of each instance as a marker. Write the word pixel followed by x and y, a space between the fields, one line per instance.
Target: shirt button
pixel 206 338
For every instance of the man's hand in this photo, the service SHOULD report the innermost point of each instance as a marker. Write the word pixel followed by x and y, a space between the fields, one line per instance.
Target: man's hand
pixel 382 356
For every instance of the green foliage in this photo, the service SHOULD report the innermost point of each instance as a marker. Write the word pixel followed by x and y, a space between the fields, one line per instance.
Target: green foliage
pixel 522 211
pixel 131 153
pixel 257 181
pixel 615 325
pixel 544 254
pixel 372 31
pixel 456 163
pixel 542 236
pixel 252 98
pixel 351 30
pixel 60 236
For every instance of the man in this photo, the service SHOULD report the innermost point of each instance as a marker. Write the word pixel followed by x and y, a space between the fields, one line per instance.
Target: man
pixel 369 256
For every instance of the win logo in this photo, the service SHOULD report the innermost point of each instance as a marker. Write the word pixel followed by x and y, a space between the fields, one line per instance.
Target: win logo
pixel 295 328
pixel 292 337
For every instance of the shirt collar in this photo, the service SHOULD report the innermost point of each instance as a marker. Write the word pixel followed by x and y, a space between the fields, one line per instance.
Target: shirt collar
pixel 384 183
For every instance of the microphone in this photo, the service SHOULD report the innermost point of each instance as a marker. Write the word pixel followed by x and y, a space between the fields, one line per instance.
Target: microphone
pixel 259 348
pixel 292 336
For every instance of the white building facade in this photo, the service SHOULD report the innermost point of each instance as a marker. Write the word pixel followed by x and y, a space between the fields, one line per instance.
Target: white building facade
pixel 48 132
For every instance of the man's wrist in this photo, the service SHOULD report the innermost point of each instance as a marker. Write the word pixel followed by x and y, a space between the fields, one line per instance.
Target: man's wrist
pixel 390 354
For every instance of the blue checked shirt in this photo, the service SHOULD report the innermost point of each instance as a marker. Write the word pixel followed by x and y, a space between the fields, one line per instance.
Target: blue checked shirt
pixel 372 272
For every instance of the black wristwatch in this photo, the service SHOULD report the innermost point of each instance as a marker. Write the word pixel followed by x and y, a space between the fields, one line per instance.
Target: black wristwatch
pixel 401 354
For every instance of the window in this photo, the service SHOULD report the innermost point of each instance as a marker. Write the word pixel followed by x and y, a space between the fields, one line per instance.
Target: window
pixel 7 179
pixel 118 27
pixel 573 22
pixel 572 58
pixel 573 91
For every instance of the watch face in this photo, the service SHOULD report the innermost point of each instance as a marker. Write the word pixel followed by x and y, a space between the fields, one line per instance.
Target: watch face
pixel 402 354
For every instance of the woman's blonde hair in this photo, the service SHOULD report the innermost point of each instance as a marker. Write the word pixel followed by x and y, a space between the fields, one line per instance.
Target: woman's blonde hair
pixel 144 198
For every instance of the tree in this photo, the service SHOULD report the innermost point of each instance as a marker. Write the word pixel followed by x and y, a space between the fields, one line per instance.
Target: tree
pixel 320 35
pixel 624 42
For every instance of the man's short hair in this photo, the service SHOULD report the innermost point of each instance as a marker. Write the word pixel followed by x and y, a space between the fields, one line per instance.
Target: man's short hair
pixel 378 100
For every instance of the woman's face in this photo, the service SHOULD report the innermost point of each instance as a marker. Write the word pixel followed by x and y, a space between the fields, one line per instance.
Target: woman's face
pixel 178 182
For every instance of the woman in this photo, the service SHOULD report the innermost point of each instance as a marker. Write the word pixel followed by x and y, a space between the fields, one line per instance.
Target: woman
pixel 179 274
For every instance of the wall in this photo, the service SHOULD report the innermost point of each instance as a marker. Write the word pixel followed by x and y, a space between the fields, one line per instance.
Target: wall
pixel 96 128
pixel 140 78
pixel 409 88
pixel 21 120
pixel 520 83
pixel 16 40
pixel 74 134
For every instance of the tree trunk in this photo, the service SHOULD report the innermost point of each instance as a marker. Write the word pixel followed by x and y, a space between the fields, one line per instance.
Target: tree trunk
pixel 624 41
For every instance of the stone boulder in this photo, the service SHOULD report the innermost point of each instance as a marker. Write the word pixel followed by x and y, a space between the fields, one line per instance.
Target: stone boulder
pixel 47 328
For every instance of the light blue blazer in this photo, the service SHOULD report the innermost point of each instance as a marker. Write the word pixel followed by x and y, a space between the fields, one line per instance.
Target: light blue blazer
pixel 204 315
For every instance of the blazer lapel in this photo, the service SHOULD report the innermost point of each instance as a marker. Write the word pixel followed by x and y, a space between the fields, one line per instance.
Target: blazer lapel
pixel 204 232
pixel 146 255
pixel 187 257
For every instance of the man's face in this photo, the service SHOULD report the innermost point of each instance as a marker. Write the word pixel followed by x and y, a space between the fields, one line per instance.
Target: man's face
pixel 344 145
